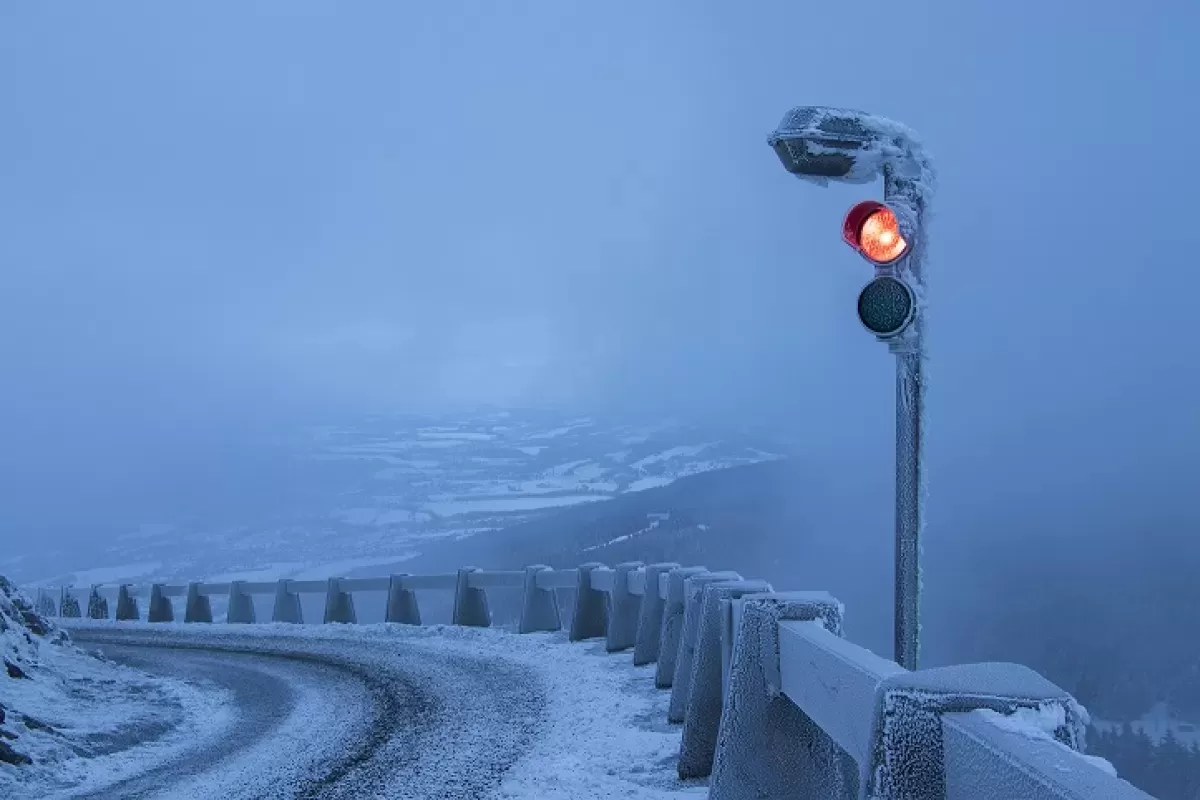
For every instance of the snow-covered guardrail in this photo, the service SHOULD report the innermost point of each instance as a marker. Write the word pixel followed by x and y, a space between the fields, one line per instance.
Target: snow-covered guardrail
pixel 774 702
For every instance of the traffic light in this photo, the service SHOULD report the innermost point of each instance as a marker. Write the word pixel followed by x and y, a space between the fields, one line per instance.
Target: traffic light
pixel 872 229
pixel 886 305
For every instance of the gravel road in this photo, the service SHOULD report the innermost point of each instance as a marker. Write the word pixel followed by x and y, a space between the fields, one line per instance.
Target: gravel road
pixel 315 718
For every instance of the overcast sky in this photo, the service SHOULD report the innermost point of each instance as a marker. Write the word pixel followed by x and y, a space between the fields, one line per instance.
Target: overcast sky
pixel 213 214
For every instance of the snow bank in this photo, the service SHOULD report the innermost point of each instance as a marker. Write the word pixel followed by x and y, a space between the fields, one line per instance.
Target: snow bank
pixel 60 707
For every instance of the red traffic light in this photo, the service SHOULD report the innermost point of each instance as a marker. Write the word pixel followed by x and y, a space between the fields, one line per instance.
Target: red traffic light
pixel 872 229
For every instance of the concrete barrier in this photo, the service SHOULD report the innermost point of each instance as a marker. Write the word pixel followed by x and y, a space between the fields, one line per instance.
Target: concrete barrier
pixel 681 684
pixel 45 604
pixel 197 607
pixel 401 603
pixel 590 620
pixel 470 604
pixel 68 605
pixel 339 605
pixel 903 756
pixel 650 617
pixel 97 604
pixel 241 605
pixel 767 746
pixel 774 702
pixel 672 625
pixel 624 609
pixel 984 759
pixel 702 714
pixel 286 607
pixel 127 607
pixel 539 607
pixel 160 609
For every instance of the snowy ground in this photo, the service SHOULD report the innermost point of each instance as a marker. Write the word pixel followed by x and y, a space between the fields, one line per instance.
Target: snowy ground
pixel 600 730
pixel 95 710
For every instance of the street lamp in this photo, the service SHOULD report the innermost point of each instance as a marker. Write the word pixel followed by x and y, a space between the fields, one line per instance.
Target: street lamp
pixel 822 144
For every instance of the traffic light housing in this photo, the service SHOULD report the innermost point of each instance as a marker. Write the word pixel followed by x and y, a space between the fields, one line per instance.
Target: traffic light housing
pixel 873 230
pixel 887 305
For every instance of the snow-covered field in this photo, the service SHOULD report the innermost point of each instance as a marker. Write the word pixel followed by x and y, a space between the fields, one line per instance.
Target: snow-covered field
pixel 331 499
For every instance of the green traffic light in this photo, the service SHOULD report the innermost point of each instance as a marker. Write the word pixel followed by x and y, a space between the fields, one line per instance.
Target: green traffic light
pixel 886 306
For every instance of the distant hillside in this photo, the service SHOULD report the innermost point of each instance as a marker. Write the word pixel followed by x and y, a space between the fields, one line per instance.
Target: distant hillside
pixel 765 521
pixel 373 491
pixel 690 520
pixel 1112 625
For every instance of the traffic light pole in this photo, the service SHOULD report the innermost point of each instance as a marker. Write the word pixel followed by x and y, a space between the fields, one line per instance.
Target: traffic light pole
pixel 901 193
pixel 909 399
pixel 825 144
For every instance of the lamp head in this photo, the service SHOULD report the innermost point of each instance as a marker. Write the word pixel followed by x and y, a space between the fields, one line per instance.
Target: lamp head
pixel 820 142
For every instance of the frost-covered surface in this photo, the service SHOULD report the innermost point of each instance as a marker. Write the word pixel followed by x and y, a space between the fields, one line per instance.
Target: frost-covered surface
pixel 1041 723
pixel 601 733
pixel 767 747
pixel 703 714
pixel 693 594
pixel 905 754
pixel 885 145
pixel 74 713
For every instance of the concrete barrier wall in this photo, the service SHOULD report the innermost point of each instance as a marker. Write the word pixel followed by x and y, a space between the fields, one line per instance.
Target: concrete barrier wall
pixel 772 700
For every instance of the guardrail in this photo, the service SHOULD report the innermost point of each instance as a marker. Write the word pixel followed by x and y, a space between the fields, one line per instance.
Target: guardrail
pixel 773 700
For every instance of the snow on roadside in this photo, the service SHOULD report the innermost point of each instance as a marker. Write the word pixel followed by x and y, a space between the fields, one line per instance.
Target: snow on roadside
pixel 72 707
pixel 606 734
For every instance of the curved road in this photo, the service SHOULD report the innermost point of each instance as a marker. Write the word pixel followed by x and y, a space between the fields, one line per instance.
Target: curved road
pixel 332 718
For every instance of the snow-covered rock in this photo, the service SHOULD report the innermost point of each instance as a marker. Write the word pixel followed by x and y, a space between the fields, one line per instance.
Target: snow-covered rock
pixel 22 634
pixel 60 704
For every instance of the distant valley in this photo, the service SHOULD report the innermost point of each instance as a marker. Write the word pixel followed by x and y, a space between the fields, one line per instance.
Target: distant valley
pixel 333 499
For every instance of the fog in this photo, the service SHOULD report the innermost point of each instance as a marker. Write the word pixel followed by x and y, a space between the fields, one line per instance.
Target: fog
pixel 218 220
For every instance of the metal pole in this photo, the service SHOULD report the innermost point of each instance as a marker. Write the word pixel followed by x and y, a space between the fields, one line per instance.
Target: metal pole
pixel 909 398
pixel 910 401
